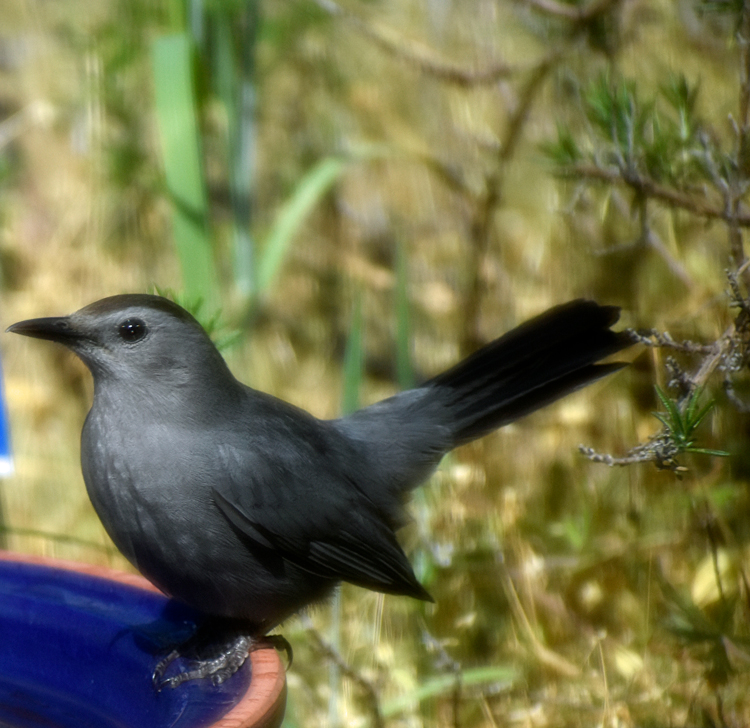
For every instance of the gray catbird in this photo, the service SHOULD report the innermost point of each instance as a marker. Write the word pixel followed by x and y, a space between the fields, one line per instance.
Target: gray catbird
pixel 248 508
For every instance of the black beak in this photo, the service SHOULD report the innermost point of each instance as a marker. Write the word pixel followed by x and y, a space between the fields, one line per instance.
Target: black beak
pixel 57 328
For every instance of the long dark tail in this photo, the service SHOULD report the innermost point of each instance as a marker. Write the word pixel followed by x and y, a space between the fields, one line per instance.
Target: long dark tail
pixel 402 438
pixel 529 367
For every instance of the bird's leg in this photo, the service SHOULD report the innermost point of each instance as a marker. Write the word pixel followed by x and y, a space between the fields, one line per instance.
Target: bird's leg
pixel 216 651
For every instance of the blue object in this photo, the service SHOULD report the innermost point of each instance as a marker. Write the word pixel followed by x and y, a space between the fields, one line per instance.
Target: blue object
pixel 78 651
pixel 6 461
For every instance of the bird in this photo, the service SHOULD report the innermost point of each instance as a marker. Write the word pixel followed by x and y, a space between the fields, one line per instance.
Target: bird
pixel 248 508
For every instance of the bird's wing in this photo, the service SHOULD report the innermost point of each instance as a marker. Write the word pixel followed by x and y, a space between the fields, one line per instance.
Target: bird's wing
pixel 290 492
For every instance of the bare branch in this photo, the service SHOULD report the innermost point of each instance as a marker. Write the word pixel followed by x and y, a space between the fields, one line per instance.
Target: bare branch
pixel 608 459
pixel 662 339
pixel 653 241
pixel 521 112
pixel 658 450
pixel 715 358
pixel 649 187
pixel 447 663
pixel 419 55
pixel 739 404
pixel 426 60
pixel 367 687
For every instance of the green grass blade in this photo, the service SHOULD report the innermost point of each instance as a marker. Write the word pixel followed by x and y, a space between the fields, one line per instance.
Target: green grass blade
pixel 708 451
pixel 353 361
pixel 663 419
pixel 176 112
pixel 241 166
pixel 503 676
pixel 675 422
pixel 663 397
pixel 404 370
pixel 233 63
pixel 691 405
pixel 695 420
pixel 310 190
pixel 334 670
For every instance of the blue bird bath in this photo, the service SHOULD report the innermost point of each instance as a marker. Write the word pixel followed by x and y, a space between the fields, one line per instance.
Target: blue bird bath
pixel 78 645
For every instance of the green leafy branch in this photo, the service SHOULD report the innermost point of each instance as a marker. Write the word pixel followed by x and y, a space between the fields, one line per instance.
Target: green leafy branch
pixel 661 138
pixel 221 334
pixel 676 438
pixel 681 425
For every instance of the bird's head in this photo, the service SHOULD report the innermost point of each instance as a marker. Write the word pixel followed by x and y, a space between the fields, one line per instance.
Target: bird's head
pixel 133 337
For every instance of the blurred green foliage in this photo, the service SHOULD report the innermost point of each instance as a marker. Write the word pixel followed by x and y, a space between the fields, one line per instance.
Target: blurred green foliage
pixel 364 201
pixel 661 137
pixel 176 108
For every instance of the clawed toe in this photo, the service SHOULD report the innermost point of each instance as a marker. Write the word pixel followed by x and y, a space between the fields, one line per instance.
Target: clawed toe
pixel 226 659
pixel 219 668
pixel 157 678
pixel 214 656
pixel 279 643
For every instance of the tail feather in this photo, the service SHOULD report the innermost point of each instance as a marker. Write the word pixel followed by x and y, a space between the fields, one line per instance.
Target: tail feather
pixel 403 438
pixel 529 367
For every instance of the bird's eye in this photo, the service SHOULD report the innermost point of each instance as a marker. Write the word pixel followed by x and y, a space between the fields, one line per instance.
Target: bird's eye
pixel 132 329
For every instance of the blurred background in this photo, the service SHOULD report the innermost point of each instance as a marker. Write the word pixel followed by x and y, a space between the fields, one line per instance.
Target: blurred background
pixel 353 195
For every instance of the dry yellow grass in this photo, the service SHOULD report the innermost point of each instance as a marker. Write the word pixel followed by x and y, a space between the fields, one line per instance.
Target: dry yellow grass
pixel 537 558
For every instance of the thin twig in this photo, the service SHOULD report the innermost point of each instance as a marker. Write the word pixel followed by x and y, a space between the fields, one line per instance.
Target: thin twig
pixel 679 379
pixel 740 405
pixel 714 359
pixel 546 656
pixel 678 270
pixel 639 454
pixel 419 55
pixel 649 187
pixel 367 687
pixel 446 663
pixel 653 241
pixel 714 545
pixel 662 339
pixel 490 200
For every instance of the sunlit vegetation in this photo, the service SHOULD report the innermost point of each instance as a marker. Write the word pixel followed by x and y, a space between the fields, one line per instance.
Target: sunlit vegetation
pixel 352 195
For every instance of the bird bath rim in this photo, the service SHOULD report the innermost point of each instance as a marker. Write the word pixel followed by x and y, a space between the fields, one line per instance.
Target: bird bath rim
pixel 263 702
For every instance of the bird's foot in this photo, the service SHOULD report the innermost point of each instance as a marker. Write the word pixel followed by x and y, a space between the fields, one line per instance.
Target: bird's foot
pixel 212 656
pixel 230 658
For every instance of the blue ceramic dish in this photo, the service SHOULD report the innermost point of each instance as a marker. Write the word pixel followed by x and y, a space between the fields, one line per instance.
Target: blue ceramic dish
pixel 78 651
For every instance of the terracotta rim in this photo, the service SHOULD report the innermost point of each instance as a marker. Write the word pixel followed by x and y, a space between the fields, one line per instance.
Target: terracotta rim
pixel 264 702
